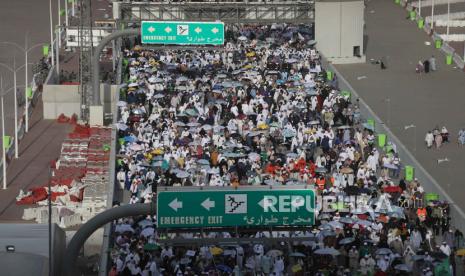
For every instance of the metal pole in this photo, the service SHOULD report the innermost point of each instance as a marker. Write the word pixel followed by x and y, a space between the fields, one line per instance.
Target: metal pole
pixel 51 33
pixel 73 13
pixel 415 139
pixel 419 8
pixel 26 107
pixel 432 16
pixel 388 111
pixel 448 17
pixel 50 263
pixel 58 57
pixel 66 11
pixel 3 137
pixel 16 108
pixel 113 58
pixel 59 22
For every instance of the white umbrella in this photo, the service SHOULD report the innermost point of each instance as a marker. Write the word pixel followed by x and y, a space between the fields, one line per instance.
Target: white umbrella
pixel 120 126
pixel 182 78
pixel 402 267
pixel 336 225
pixel 121 228
pixel 292 155
pixel 182 174
pixel 346 241
pixel 145 222
pixel 254 156
pixel 365 223
pixel 274 253
pixel 203 162
pixel 347 220
pixel 136 147
pixel 147 232
pixel 207 127
pixel 383 251
pixel 327 251
pixel 272 182
pixel 242 38
pixel 121 104
pixel 138 111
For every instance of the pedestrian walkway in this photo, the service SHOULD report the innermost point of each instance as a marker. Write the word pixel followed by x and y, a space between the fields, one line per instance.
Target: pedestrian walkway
pixel 425 100
pixel 40 145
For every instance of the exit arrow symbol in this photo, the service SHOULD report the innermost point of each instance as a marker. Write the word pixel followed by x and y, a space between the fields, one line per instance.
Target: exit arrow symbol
pixel 207 204
pixel 175 204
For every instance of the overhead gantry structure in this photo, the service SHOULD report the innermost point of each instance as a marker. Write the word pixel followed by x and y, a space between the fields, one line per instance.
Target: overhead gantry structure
pixel 232 12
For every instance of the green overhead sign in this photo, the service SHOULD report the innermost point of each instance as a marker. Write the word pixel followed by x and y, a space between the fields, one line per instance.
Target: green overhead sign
pixel 224 208
pixel 182 33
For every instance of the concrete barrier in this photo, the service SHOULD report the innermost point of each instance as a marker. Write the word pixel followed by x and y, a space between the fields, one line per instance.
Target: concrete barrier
pixel 107 230
pixel 58 99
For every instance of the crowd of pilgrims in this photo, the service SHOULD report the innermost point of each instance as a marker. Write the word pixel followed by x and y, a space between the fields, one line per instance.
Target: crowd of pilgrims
pixel 262 111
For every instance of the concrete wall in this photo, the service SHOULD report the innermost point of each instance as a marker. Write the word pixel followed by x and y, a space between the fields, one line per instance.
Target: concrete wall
pixel 338 28
pixel 59 99
pixel 66 99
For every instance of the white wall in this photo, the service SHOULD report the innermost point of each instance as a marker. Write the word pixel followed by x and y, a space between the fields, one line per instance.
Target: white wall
pixel 65 99
pixel 59 99
pixel 338 28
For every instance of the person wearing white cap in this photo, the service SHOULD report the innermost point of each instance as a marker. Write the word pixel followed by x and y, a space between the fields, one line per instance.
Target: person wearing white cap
pixel 367 265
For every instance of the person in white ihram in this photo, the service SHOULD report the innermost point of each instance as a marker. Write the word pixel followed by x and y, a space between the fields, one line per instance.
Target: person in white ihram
pixel 429 139
pixel 278 267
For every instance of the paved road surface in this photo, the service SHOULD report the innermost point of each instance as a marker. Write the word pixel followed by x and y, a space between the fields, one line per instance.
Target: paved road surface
pixel 441 10
pixel 426 100
pixel 19 18
pixel 40 146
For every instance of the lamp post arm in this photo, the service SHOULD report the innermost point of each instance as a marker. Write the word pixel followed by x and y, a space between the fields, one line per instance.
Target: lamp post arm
pixel 14 44
pixel 35 46
pixel 7 67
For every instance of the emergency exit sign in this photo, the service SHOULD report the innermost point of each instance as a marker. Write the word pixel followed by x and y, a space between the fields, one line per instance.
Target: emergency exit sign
pixel 182 33
pixel 224 208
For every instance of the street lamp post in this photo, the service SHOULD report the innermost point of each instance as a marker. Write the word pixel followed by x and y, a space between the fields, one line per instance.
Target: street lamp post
pixel 66 11
pixel 419 8
pixel 414 135
pixel 26 51
pixel 2 94
pixel 14 70
pixel 51 32
pixel 448 17
pixel 59 22
pixel 3 136
pixel 432 16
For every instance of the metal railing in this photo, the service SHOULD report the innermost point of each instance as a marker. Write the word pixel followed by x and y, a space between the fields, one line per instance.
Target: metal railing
pixel 107 231
pixel 445 47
